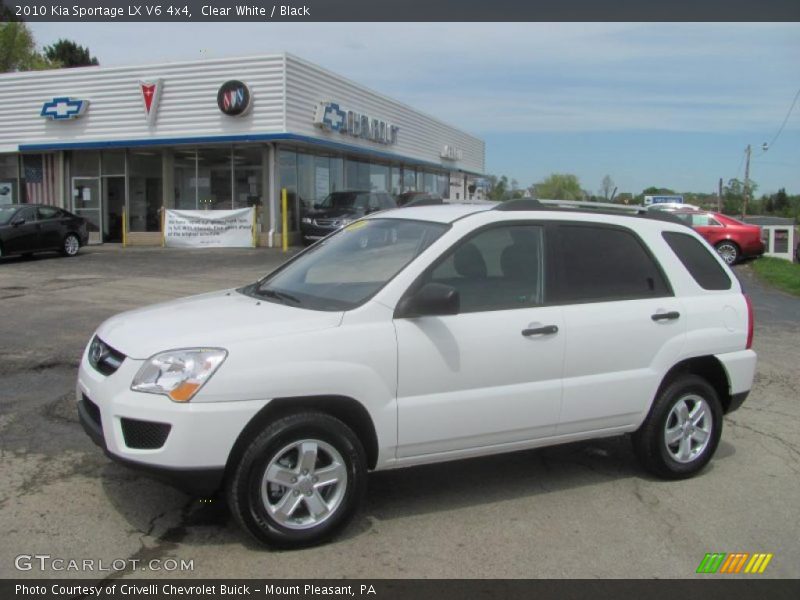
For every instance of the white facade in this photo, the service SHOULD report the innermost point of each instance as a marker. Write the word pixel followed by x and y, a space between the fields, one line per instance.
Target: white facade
pixel 286 93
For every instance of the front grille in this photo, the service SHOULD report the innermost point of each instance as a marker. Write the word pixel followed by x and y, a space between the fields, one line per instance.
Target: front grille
pixel 92 410
pixel 144 435
pixel 328 223
pixel 104 358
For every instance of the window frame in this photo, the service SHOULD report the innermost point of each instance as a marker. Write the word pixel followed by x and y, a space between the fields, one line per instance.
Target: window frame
pixel 547 280
pixel 558 265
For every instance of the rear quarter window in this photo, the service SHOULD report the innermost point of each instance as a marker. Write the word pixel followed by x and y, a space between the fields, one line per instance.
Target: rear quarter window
pixel 698 260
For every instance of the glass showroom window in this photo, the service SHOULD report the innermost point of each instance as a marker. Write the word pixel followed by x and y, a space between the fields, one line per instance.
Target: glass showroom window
pixel 9 180
pixel 85 187
pixel 305 180
pixel 185 179
pixel 248 175
pixel 378 178
pixel 357 175
pixel 214 188
pixel 409 179
pixel 145 190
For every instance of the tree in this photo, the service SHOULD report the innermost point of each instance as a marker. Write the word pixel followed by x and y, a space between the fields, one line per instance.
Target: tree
pixel 733 196
pixel 780 201
pixel 607 188
pixel 560 186
pixel 69 54
pixel 18 49
pixel 499 188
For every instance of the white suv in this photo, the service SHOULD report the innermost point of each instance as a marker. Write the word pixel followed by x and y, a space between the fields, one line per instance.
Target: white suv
pixel 421 335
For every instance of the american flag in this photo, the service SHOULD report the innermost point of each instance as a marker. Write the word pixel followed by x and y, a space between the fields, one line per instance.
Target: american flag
pixel 40 178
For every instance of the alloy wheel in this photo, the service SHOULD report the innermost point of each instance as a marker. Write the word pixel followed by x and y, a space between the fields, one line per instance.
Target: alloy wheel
pixel 688 428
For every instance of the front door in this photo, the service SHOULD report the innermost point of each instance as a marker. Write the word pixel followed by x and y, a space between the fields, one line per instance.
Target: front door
pixel 86 203
pixel 23 235
pixel 113 207
pixel 490 375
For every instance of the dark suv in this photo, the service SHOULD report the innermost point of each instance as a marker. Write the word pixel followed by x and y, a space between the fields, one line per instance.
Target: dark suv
pixel 339 209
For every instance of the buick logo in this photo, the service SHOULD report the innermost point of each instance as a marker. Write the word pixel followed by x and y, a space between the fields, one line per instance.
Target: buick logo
pixel 233 98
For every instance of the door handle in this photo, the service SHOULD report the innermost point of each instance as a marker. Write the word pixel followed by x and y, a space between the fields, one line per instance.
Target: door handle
pixel 546 330
pixel 666 316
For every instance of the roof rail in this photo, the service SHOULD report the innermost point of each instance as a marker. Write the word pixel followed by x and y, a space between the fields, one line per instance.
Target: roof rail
pixel 523 204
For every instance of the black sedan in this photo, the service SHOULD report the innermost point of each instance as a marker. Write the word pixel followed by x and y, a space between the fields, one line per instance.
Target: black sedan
pixel 340 208
pixel 29 228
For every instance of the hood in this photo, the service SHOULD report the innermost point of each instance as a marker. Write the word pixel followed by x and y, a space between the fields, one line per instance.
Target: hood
pixel 332 213
pixel 217 319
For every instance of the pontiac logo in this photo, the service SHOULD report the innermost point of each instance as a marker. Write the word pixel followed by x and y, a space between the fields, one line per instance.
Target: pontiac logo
pixel 63 108
pixel 234 98
pixel 151 94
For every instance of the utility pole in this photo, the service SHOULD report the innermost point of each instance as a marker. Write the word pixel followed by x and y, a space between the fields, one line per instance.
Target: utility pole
pixel 719 196
pixel 746 181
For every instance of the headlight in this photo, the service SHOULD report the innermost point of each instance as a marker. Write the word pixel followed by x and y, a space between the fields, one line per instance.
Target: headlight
pixel 306 220
pixel 178 374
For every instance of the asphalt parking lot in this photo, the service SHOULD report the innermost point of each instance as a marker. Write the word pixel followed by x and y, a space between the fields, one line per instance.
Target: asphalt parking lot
pixel 581 510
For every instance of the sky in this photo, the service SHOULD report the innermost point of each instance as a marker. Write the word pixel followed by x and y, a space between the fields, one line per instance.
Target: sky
pixel 670 105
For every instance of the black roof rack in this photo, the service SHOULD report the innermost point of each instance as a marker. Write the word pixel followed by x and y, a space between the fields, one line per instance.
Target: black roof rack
pixel 604 208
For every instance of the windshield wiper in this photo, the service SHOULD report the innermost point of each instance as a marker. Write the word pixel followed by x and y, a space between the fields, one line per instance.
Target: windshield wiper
pixel 282 296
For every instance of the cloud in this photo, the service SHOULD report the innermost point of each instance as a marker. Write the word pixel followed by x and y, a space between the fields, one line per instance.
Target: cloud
pixel 495 77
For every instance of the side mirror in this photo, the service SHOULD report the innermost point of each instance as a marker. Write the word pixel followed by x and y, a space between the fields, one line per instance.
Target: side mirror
pixel 18 221
pixel 432 299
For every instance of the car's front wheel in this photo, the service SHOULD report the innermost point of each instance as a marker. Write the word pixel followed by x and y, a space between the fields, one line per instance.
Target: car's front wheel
pixel 71 245
pixel 682 431
pixel 729 252
pixel 299 481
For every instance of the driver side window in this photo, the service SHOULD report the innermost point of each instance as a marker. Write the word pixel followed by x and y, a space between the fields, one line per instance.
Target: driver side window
pixel 500 268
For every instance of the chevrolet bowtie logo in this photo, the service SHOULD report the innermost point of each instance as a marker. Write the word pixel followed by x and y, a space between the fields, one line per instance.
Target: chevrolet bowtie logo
pixel 334 117
pixel 62 108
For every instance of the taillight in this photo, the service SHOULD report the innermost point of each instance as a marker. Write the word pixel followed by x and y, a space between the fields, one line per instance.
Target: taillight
pixel 749 321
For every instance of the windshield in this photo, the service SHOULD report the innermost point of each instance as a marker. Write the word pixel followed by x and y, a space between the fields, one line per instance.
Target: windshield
pixel 357 200
pixel 349 267
pixel 6 212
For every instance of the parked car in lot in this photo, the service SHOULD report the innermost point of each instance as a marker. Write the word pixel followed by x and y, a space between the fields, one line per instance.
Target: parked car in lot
pixel 29 228
pixel 340 208
pixel 468 331
pixel 733 239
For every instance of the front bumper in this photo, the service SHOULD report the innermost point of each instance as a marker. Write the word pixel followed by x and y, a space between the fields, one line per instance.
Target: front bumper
pixel 314 232
pixel 186 445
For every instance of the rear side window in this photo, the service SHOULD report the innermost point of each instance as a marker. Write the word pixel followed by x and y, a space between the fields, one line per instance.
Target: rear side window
pixel 606 263
pixel 698 260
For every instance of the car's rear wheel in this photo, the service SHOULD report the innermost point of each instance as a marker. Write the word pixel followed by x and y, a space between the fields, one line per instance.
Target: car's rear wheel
pixel 71 245
pixel 299 481
pixel 682 431
pixel 729 251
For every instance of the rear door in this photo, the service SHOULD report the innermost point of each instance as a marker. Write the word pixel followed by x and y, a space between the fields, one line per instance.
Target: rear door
pixel 621 324
pixel 483 377
pixel 51 226
pixel 707 226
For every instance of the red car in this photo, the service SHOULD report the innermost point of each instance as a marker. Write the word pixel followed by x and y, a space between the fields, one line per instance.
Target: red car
pixel 733 239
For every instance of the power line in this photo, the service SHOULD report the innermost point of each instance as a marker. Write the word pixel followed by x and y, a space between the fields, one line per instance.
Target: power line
pixel 785 120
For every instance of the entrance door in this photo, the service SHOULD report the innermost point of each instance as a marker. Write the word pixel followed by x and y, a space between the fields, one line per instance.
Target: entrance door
pixel 86 202
pixel 113 206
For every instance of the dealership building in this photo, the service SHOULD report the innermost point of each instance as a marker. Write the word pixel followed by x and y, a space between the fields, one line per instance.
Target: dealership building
pixel 216 134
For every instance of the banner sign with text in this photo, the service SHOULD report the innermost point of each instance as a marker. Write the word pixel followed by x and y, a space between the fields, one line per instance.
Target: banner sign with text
pixel 209 228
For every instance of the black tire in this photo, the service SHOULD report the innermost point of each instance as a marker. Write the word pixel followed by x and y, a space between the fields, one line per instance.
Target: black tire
pixel 70 245
pixel 249 496
pixel 729 251
pixel 650 441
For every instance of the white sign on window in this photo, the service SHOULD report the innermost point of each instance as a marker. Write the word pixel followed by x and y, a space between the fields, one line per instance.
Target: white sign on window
pixel 209 228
